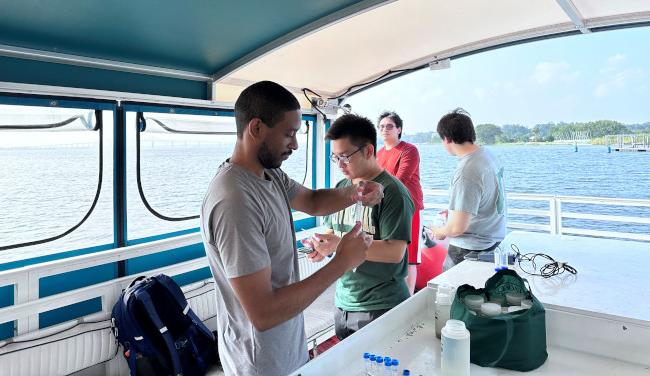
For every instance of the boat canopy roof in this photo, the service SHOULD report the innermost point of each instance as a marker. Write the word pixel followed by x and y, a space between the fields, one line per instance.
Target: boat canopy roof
pixel 212 49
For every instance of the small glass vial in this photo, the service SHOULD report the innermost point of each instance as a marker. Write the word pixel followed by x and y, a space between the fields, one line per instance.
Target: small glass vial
pixel 366 361
pixel 371 369
pixel 387 369
pixel 394 364
pixel 379 364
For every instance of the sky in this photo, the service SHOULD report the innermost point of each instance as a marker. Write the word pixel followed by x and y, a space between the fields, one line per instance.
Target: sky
pixel 604 75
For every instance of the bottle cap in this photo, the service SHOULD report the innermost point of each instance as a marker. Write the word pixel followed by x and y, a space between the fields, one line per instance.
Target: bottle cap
pixel 490 309
pixel 474 301
pixel 372 357
pixel 379 359
pixel 406 372
pixel 394 362
pixel 387 362
pixel 526 303
pixel 514 298
pixel 497 299
pixel 454 328
pixel 366 355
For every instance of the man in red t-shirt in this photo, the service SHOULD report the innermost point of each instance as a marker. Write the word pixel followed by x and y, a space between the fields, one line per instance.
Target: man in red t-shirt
pixel 402 160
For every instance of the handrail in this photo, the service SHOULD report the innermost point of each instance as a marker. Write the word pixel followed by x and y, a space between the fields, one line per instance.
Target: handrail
pixel 108 291
pixel 26 279
pixel 556 214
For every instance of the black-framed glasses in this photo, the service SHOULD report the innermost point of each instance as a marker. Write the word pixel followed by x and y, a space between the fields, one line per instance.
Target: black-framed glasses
pixel 344 158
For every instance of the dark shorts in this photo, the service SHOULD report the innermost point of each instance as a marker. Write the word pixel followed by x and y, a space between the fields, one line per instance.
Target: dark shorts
pixel 346 322
pixel 457 254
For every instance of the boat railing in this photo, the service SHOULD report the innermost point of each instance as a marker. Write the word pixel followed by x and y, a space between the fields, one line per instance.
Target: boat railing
pixel 554 215
pixel 26 281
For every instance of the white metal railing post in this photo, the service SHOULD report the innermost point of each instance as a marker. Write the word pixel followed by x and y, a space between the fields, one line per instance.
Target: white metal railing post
pixel 558 218
pixel 555 214
pixel 33 292
pixel 21 295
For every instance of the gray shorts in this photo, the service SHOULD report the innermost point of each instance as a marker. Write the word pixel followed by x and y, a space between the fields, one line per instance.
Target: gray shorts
pixel 457 254
pixel 347 322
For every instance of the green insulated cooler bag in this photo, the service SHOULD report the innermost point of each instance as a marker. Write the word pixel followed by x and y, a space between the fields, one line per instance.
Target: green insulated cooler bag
pixel 514 340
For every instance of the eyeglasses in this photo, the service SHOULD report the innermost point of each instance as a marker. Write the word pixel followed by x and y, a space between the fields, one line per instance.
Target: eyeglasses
pixel 343 158
pixel 388 127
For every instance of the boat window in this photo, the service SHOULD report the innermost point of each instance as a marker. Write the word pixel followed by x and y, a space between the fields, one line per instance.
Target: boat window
pixel 171 160
pixel 53 180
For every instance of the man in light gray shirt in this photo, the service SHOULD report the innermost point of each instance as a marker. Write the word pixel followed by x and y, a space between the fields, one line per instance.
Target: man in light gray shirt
pixel 477 206
pixel 247 230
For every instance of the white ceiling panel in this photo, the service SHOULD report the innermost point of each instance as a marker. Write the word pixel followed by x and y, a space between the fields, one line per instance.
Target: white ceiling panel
pixel 411 33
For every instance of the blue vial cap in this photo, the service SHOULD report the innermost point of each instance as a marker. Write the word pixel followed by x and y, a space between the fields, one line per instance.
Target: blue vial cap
pixel 366 355
pixel 372 357
pixel 394 362
pixel 387 362
pixel 406 372
pixel 386 358
pixel 379 359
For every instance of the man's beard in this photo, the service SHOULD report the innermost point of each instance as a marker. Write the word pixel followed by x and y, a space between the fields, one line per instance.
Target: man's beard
pixel 266 158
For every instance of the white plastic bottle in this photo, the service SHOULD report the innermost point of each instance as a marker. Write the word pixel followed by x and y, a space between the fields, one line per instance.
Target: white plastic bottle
pixel 500 259
pixel 443 309
pixel 454 347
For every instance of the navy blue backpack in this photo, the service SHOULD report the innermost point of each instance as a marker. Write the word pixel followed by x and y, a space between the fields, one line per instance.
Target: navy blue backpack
pixel 159 332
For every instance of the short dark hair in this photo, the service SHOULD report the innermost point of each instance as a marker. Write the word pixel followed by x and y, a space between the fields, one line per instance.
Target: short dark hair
pixel 358 129
pixel 392 115
pixel 457 127
pixel 265 100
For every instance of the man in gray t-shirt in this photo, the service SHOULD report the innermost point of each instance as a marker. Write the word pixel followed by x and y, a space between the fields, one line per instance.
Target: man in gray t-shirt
pixel 247 230
pixel 477 206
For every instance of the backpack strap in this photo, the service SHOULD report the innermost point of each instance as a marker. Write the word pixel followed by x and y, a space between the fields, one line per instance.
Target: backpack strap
pixel 130 333
pixel 179 297
pixel 195 349
pixel 144 297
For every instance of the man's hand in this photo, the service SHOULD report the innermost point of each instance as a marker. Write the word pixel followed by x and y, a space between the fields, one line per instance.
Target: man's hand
pixel 351 251
pixel 323 244
pixel 439 233
pixel 369 193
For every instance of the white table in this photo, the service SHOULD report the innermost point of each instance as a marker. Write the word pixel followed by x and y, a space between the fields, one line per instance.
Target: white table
pixel 587 333
pixel 612 277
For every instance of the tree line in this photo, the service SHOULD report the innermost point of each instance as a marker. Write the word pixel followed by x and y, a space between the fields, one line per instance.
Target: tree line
pixel 512 133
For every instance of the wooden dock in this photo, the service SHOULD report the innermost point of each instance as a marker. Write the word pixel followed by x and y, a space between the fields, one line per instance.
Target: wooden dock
pixel 629 142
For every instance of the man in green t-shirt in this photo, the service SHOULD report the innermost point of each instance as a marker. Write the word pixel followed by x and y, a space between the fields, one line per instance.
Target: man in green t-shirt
pixel 377 285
